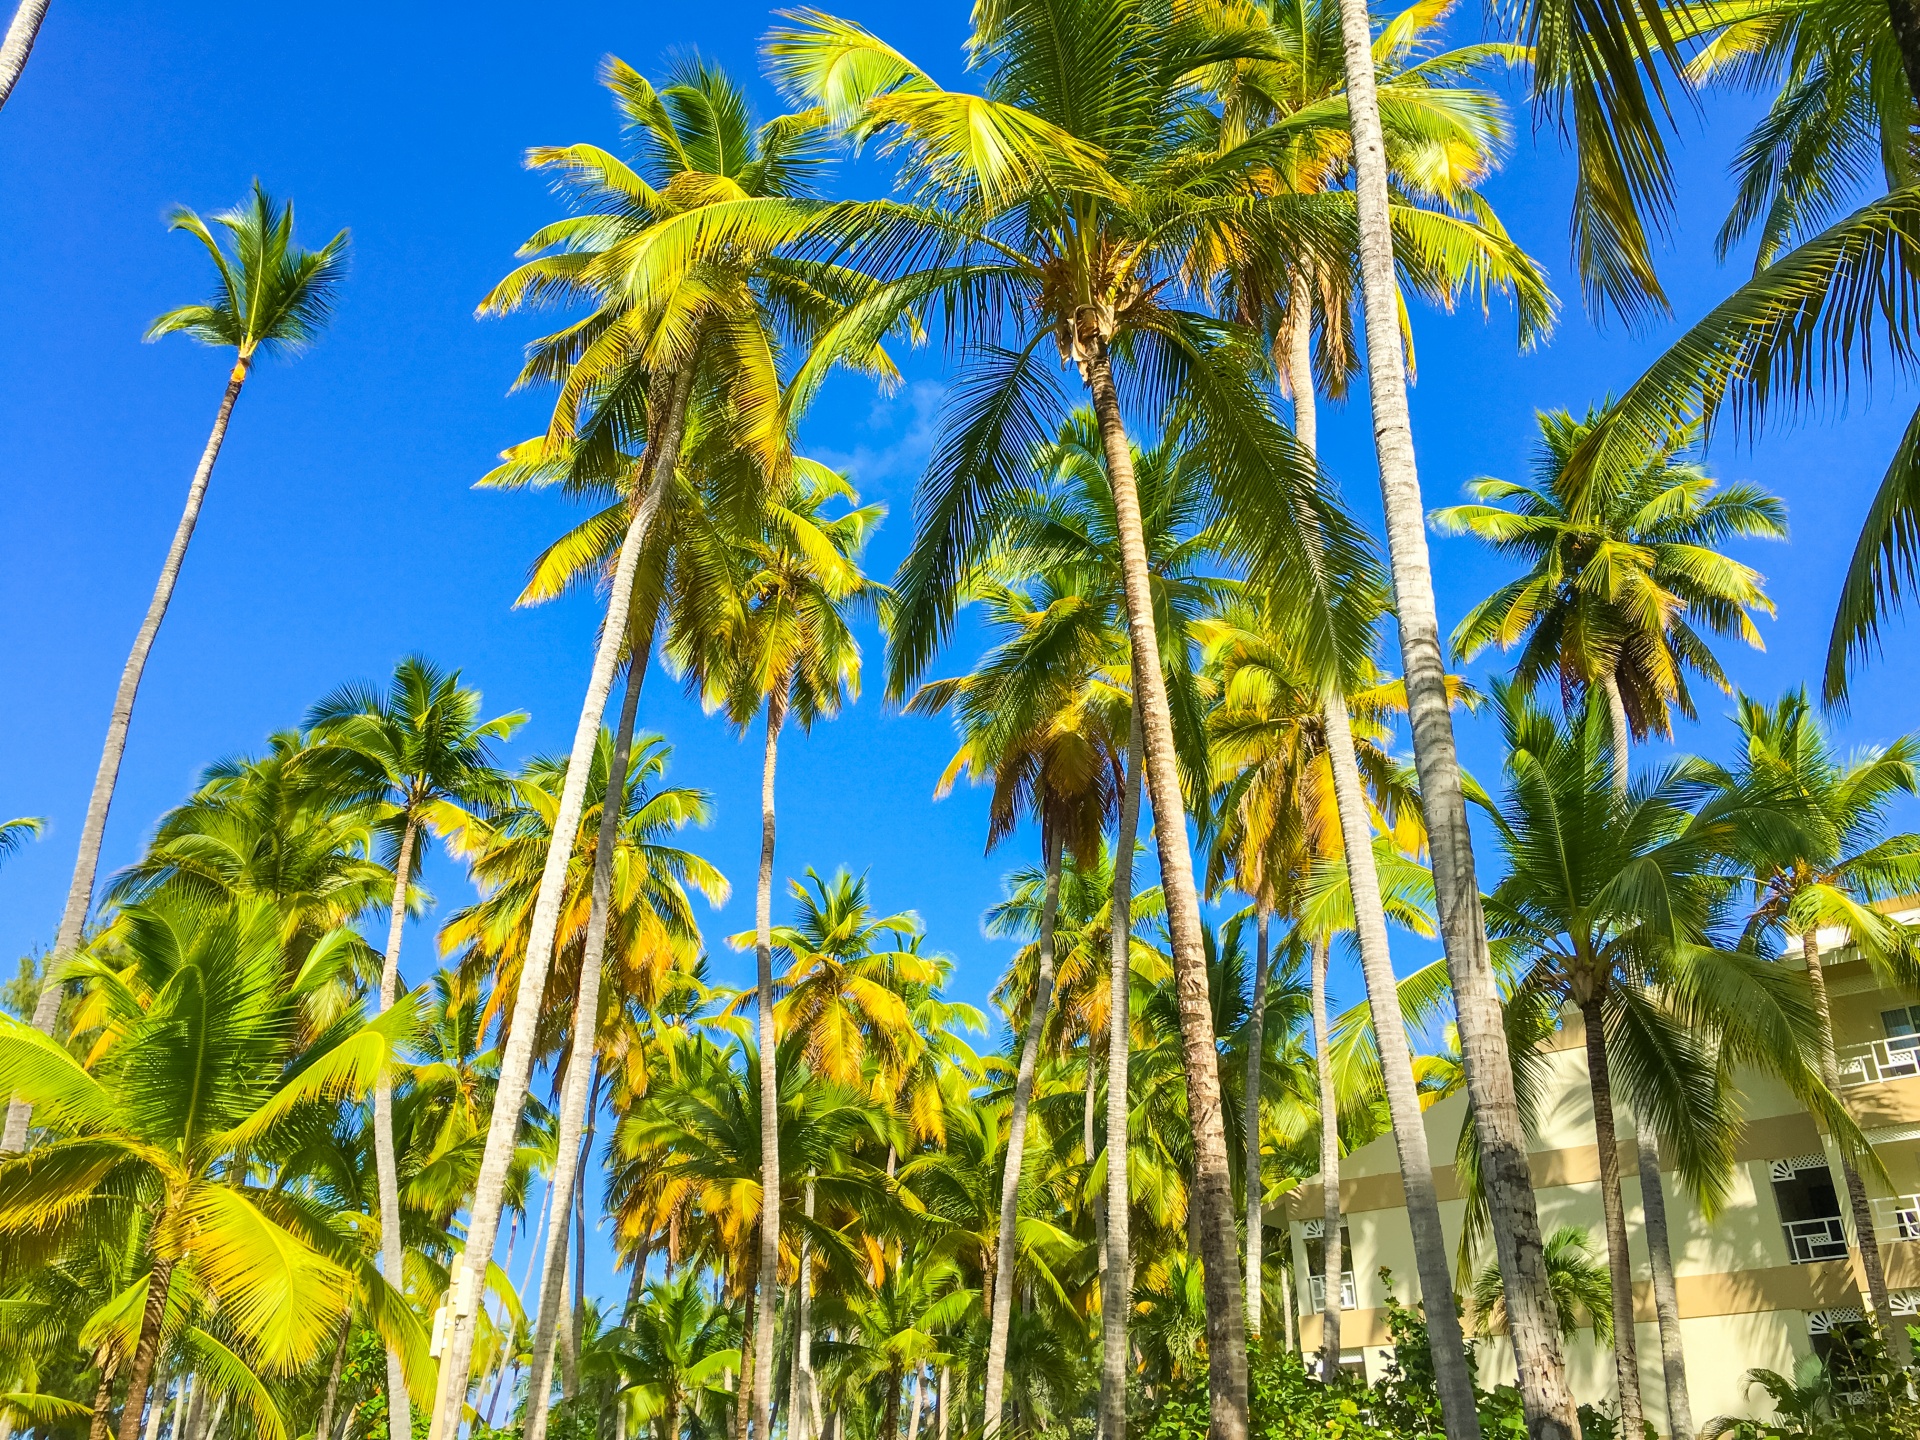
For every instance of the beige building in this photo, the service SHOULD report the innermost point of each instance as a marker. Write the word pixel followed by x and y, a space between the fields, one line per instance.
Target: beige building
pixel 1760 1286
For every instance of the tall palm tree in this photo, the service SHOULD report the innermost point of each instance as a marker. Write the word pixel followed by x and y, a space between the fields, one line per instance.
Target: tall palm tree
pixel 22 30
pixel 790 654
pixel 1039 717
pixel 1063 521
pixel 626 910
pixel 422 755
pixel 630 371
pixel 1622 577
pixel 1615 903
pixel 1547 1402
pixel 149 1143
pixel 1828 871
pixel 1052 579
pixel 842 995
pixel 271 296
pixel 1057 210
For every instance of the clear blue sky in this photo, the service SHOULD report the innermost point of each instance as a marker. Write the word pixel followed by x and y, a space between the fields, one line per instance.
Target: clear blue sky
pixel 341 531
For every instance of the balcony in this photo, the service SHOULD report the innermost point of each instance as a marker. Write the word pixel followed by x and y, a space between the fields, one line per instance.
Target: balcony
pixel 1811 1240
pixel 1317 1292
pixel 1877 1060
pixel 1896 1217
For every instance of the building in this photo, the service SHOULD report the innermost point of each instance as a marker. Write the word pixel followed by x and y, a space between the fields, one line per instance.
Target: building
pixel 1764 1283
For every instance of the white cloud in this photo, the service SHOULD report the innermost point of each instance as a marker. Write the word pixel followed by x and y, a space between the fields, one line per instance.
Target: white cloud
pixel 912 415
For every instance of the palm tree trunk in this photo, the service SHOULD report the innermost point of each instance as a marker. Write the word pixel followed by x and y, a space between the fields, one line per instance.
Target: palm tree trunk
pixel 890 1421
pixel 576 1336
pixel 942 1406
pixel 146 1348
pixel 21 32
pixel 1452 1376
pixel 97 1427
pixel 1626 1360
pixel 768 1279
pixel 1905 21
pixel 1001 1315
pixel 87 864
pixel 156 1411
pixel 636 1280
pixel 1098 1199
pixel 1666 1299
pixel 516 1053
pixel 1306 409
pixel 196 1413
pixel 1250 1123
pixel 1116 1293
pixel 586 1023
pixel 1653 1195
pixel 1212 1171
pixel 1855 1190
pixel 323 1428
pixel 386 1171
pixel 805 1404
pixel 184 1394
pixel 749 1359
pixel 1489 1068
pixel 913 1408
pixel 1332 1265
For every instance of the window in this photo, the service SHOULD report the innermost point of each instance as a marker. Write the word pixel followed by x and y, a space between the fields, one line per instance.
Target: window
pixel 1903 1040
pixel 1316 1288
pixel 1809 1209
pixel 1839 1339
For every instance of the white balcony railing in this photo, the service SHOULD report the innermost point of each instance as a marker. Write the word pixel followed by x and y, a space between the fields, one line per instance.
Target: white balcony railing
pixel 1896 1217
pixel 1811 1240
pixel 1878 1060
pixel 1317 1292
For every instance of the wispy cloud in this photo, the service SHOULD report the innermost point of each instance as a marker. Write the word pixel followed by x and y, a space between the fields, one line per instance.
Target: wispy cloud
pixel 903 426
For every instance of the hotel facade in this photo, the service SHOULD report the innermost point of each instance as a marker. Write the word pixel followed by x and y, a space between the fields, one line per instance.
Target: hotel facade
pixel 1766 1282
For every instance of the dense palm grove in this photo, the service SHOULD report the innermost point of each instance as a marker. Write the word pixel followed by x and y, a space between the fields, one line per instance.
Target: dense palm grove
pixel 257 1185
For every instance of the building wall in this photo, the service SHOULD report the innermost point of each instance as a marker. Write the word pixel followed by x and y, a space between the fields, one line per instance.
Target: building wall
pixel 1744 1304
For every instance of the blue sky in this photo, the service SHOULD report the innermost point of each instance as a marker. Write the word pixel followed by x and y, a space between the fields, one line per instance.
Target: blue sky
pixel 341 531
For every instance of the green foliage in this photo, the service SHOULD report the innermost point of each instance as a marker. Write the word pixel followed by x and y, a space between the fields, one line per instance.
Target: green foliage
pixel 1861 1395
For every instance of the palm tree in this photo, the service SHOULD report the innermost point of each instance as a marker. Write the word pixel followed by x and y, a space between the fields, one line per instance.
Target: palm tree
pixel 272 296
pixel 1548 1403
pixel 682 1352
pixel 893 1327
pixel 1615 904
pixel 151 1141
pixel 1821 286
pixel 1829 870
pixel 18 44
pixel 626 909
pixel 1622 576
pixel 630 371
pixel 789 652
pixel 1039 236
pixel 1060 686
pixel 421 754
pixel 1037 716
pixel 841 994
